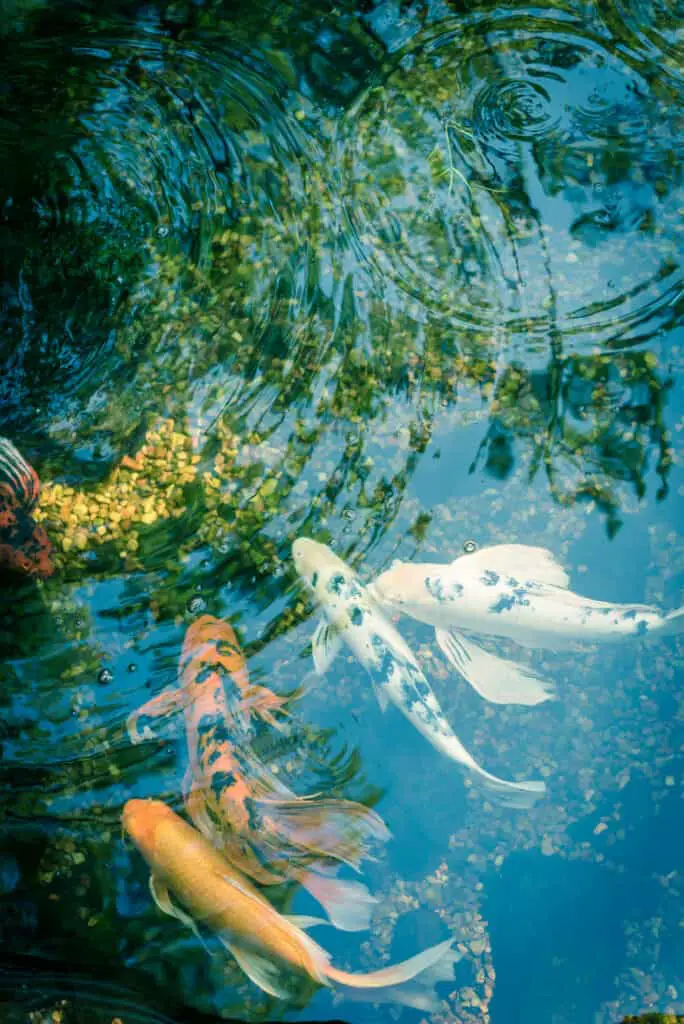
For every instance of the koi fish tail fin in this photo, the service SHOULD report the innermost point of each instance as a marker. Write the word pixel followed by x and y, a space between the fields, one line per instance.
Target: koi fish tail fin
pixel 511 794
pixel 411 982
pixel 673 622
pixel 342 829
pixel 348 904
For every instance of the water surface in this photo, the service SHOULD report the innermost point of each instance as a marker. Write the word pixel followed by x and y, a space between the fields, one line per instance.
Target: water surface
pixel 397 277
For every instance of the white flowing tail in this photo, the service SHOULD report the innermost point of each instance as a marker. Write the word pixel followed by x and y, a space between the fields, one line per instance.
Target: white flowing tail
pixel 508 793
pixel 410 982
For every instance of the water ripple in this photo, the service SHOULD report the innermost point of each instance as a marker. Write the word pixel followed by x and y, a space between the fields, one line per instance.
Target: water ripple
pixel 519 173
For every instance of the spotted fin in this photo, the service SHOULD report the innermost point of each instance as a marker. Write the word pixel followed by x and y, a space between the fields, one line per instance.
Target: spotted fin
pixel 521 561
pixel 496 679
pixel 325 643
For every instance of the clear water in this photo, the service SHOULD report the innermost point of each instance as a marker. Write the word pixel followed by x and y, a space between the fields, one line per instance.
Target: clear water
pixel 394 276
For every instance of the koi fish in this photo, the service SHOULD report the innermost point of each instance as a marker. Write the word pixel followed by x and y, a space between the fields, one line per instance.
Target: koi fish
pixel 351 615
pixel 272 949
pixel 249 813
pixel 514 591
pixel 24 545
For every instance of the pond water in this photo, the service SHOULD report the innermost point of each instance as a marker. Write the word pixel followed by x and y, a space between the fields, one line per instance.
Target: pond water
pixel 395 276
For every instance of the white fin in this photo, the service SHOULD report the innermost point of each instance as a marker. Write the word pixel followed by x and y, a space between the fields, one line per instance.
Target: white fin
pixel 305 920
pixel 519 560
pixel 673 622
pixel 496 679
pixel 348 904
pixel 418 992
pixel 511 794
pixel 399 973
pixel 325 644
pixel 259 969
pixel 161 896
pixel 381 694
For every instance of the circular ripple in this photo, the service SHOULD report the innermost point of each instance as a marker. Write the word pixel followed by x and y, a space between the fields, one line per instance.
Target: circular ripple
pixel 519 172
pixel 656 27
pixel 142 157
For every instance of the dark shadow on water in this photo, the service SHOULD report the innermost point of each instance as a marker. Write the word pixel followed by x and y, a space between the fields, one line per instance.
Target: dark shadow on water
pixel 29 984
pixel 557 938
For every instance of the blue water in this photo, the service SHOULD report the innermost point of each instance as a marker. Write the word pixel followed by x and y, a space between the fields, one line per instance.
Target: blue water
pixel 396 277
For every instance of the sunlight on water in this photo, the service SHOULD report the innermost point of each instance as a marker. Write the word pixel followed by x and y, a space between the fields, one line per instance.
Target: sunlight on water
pixel 406 280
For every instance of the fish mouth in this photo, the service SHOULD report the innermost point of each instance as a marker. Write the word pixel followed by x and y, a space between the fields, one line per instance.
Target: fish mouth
pixel 304 555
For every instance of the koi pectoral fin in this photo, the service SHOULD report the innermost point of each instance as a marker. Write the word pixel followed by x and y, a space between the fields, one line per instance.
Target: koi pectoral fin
pixel 261 701
pixel 325 645
pixel 496 679
pixel 259 969
pixel 162 706
pixel 162 897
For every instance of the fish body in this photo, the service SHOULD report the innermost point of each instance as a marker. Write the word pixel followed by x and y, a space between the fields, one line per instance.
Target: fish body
pixel 514 591
pixel 352 616
pixel 24 544
pixel 269 947
pixel 268 831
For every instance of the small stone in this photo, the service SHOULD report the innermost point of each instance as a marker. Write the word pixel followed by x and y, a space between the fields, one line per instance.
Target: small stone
pixel 547 846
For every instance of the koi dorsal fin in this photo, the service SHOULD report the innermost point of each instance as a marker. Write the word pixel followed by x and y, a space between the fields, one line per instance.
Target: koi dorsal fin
pixel 520 561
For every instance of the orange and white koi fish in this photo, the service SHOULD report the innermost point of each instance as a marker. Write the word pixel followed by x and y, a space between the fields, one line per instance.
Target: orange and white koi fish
pixel 24 545
pixel 265 829
pixel 272 949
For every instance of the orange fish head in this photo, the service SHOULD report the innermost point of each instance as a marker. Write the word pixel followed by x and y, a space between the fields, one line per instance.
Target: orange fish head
pixel 211 641
pixel 141 820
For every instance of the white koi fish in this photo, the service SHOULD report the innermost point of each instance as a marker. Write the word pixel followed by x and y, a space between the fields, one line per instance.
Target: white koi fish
pixel 514 591
pixel 351 616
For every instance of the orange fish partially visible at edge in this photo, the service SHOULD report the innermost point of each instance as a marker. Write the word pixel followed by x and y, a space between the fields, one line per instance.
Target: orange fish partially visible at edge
pixel 24 545
pixel 271 948
pixel 266 830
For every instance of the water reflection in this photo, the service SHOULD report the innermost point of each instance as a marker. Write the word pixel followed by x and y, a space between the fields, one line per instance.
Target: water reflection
pixel 474 188
pixel 285 271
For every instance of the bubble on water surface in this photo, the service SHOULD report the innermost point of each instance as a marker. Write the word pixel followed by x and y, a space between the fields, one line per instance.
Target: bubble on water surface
pixel 469 546
pixel 104 676
pixel 196 605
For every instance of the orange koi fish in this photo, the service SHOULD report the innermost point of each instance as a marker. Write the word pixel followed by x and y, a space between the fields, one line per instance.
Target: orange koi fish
pixel 265 829
pixel 24 545
pixel 272 949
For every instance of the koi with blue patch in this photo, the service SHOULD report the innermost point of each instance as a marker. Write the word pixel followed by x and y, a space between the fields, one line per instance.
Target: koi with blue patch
pixel 515 591
pixel 352 616
pixel 249 813
pixel 24 544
